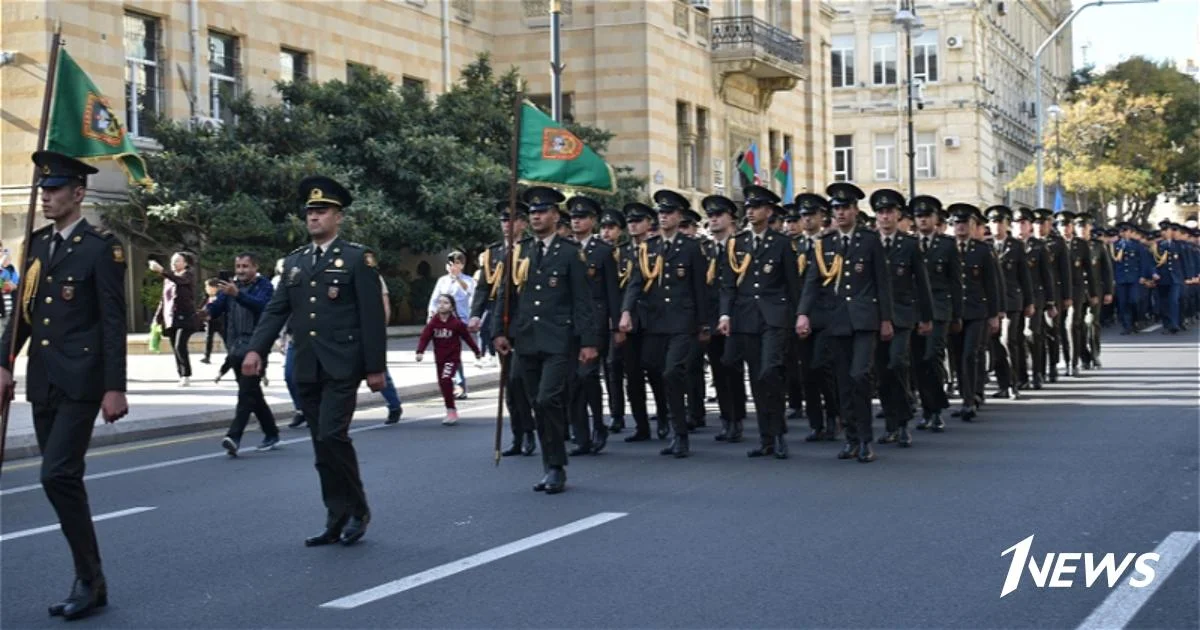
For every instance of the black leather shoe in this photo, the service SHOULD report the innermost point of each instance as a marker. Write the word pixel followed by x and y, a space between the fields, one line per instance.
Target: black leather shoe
pixel 1002 393
pixel 639 436
pixel 905 438
pixel 541 485
pixel 599 440
pixel 682 448
pixel 1037 383
pixel 394 415
pixel 966 414
pixel 725 428
pixel 356 528
pixel 515 448
pixel 736 435
pixel 865 454
pixel 297 421
pixel 618 425
pixel 925 423
pixel 765 450
pixel 670 448
pixel 556 480
pixel 781 448
pixel 530 444
pixel 889 438
pixel 332 534
pixel 582 449
pixel 84 598
pixel 849 450
pixel 664 429
pixel 939 425
pixel 814 436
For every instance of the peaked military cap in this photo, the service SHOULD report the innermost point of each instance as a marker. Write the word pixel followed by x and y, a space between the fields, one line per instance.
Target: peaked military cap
pixel 612 217
pixel 666 200
pixel 1024 214
pixel 844 194
pixel 963 212
pixel 778 212
pixel 56 169
pixel 1043 214
pixel 1064 216
pixel 691 216
pixel 999 213
pixel 637 211
pixel 865 219
pixel 564 218
pixel 719 204
pixel 542 198
pixel 583 206
pixel 886 198
pixel 522 209
pixel 811 203
pixel 791 212
pixel 319 191
pixel 925 205
pixel 1125 225
pixel 757 196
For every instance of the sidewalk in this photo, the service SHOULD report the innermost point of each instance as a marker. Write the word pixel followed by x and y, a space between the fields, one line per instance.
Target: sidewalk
pixel 159 407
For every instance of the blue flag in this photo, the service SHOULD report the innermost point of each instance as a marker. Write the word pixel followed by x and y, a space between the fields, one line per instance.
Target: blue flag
pixel 1058 200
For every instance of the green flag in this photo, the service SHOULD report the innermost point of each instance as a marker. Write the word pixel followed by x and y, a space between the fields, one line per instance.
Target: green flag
pixel 551 155
pixel 83 125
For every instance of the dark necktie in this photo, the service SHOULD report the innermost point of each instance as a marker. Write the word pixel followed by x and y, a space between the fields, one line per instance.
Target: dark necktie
pixel 845 244
pixel 317 255
pixel 55 243
pixel 962 250
pixel 924 243
pixel 887 242
pixel 540 253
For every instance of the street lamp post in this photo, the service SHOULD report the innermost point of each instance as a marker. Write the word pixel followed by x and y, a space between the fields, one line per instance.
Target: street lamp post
pixel 1055 113
pixel 906 19
pixel 1039 148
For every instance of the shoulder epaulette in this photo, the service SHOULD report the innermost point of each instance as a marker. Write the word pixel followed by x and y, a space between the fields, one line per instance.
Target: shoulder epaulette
pixel 45 229
pixel 567 241
pixel 297 250
pixel 355 245
pixel 527 239
pixel 103 235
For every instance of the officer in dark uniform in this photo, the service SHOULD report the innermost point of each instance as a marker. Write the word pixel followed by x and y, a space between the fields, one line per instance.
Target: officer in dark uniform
pixel 697 388
pixel 612 225
pixel 912 309
pixel 483 303
pixel 729 379
pixel 793 373
pixel 1045 298
pixel 816 374
pixel 847 298
pixel 1102 265
pixel 331 292
pixel 943 269
pixel 981 305
pixel 1059 258
pixel 1133 268
pixel 759 286
pixel 72 311
pixel 555 319
pixel 606 302
pixel 670 276
pixel 1083 288
pixel 639 219
pixel 1008 349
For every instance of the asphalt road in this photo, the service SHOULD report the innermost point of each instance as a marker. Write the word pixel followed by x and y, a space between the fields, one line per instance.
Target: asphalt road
pixel 1107 462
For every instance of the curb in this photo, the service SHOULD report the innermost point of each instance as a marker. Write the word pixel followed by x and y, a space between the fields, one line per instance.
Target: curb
pixel 25 445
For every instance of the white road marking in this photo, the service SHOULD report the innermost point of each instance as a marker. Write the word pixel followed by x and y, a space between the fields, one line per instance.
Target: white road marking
pixel 1152 328
pixel 222 454
pixel 1124 602
pixel 53 528
pixel 458 566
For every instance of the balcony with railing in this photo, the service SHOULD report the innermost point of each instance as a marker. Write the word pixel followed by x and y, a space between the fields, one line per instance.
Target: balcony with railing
pixel 751 47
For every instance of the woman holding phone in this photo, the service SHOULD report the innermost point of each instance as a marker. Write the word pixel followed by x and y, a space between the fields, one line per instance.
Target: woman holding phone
pixel 177 310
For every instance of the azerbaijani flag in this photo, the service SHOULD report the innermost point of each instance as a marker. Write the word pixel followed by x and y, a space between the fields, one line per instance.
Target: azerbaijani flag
pixel 749 164
pixel 786 178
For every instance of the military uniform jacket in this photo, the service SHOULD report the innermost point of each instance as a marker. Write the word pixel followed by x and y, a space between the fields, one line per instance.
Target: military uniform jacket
pixel 554 307
pixel 913 300
pixel 759 287
pixel 336 311
pixel 601 260
pixel 847 290
pixel 1083 277
pixel 713 253
pixel 1018 291
pixel 944 270
pixel 627 258
pixel 980 280
pixel 1170 270
pixel 1041 276
pixel 1102 264
pixel 1131 262
pixel 1059 257
pixel 76 306
pixel 489 283
pixel 671 280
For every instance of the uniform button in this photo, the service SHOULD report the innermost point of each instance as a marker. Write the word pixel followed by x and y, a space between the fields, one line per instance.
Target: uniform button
pixel 537 303
pixel 755 285
pixel 313 283
pixel 756 297
pixel 847 287
pixel 46 322
pixel 537 287
pixel 536 318
pixel 312 300
pixel 49 279
pixel 667 300
pixel 847 298
pixel 45 342
pixel 312 315
pixel 49 299
pixel 847 274
pixel 312 333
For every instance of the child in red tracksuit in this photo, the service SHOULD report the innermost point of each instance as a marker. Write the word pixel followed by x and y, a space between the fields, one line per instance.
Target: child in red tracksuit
pixel 446 330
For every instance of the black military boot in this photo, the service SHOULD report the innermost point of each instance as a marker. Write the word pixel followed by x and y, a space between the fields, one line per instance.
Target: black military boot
pixel 515 448
pixel 724 434
pixel 682 448
pixel 530 444
pixel 926 421
pixel 849 450
pixel 781 447
pixel 618 425
pixel 736 436
pixel 939 425
pixel 865 455
pixel 85 597
pixel 904 438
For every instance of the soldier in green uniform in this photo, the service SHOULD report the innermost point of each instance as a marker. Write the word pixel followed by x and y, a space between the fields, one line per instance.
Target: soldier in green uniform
pixel 689 226
pixel 1008 349
pixel 945 284
pixel 554 328
pixel 72 313
pixel 1102 265
pixel 332 295
pixel 1059 259
pixel 612 227
pixel 981 306
pixel 640 219
pixel 492 270
pixel 1084 290
pixel 729 379
pixel 1045 299
pixel 816 375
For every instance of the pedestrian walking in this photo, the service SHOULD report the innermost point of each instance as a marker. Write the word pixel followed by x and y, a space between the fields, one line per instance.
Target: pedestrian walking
pixel 447 332
pixel 176 311
pixel 461 287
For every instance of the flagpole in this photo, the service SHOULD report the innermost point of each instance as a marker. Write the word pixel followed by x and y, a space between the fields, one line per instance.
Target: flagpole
pixel 14 320
pixel 506 278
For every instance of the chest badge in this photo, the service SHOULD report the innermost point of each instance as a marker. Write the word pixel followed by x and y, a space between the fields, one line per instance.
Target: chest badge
pixel 339 263
pixel 333 293
pixel 900 270
pixel 553 282
pixel 68 292
pixel 858 267
pixel 295 271
pixel 767 268
pixel 681 272
pixel 591 272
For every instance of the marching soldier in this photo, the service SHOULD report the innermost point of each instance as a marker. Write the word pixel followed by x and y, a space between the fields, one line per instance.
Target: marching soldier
pixel 793 373
pixel 981 306
pixel 1059 257
pixel 606 300
pixel 1102 265
pixel 728 377
pixel 847 298
pixel 1045 299
pixel 912 309
pixel 1133 268
pixel 1008 350
pixel 816 377
pixel 72 312
pixel 639 219
pixel 483 302
pixel 759 283
pixel 696 390
pixel 1169 264
pixel 554 321
pixel 1083 289
pixel 333 296
pixel 670 277
pixel 612 226
pixel 942 266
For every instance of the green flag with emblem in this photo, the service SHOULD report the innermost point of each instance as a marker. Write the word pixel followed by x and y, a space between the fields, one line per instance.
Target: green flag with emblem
pixel 550 155
pixel 83 124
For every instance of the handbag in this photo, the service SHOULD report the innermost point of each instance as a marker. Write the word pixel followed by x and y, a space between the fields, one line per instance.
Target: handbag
pixel 156 333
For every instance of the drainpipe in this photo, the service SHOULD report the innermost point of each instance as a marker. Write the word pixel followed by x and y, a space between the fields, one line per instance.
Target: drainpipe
pixel 445 46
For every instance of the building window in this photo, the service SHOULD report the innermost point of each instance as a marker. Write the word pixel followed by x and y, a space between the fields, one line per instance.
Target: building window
pixel 843 158
pixel 409 83
pixel 685 145
pixel 925 57
pixel 143 84
pixel 293 65
pixel 883 59
pixel 568 105
pixel 926 155
pixel 222 74
pixel 885 156
pixel 703 153
pixel 842 62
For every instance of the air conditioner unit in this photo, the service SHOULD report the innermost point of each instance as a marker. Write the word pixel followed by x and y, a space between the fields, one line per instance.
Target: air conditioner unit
pixel 207 123
pixel 954 41
pixel 703 5
pixel 952 142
